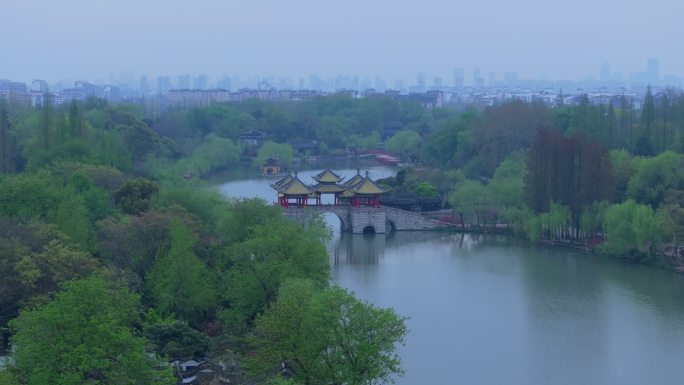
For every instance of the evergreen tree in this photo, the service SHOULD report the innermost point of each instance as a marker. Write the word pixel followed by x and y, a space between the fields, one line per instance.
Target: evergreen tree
pixel 75 120
pixel 4 138
pixel 648 109
pixel 47 120
pixel 611 126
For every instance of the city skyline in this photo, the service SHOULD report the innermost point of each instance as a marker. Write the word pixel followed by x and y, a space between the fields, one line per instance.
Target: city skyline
pixel 78 39
pixel 460 77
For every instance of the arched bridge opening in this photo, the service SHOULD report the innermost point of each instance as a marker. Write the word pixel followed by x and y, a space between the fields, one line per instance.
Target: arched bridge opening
pixel 334 220
pixel 369 230
pixel 390 227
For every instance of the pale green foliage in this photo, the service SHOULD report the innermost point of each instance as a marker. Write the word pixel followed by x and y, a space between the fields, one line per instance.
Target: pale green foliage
pixel 245 214
pixel 209 205
pixel 29 196
pixel 506 187
pixel 7 377
pixel 654 176
pixel 404 142
pixel 553 225
pixel 425 189
pixel 631 230
pixel 182 284
pixel 671 218
pixel 593 216
pixel 34 260
pixel 272 253
pixel 558 219
pixel 469 197
pixel 517 218
pixel 215 153
pixel 623 170
pixel 84 336
pixel 363 142
pixel 56 263
pixel 283 152
pixel 327 336
pixel 535 226
pixel 71 217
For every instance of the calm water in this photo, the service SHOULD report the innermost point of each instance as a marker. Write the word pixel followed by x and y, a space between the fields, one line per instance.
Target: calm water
pixel 492 310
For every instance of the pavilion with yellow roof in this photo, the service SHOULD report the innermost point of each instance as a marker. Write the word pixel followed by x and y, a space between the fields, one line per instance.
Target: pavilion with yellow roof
pixel 292 191
pixel 357 191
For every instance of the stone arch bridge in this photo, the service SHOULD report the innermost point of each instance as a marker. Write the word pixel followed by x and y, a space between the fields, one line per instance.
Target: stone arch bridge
pixel 358 220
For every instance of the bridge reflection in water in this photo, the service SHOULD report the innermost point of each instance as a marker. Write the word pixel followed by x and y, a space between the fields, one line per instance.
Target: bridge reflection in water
pixel 364 249
pixel 357 249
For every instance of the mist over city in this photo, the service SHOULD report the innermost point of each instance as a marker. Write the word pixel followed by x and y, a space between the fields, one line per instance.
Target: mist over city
pixel 101 41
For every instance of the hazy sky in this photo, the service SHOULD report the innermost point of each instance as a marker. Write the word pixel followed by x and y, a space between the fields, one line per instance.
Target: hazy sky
pixel 91 39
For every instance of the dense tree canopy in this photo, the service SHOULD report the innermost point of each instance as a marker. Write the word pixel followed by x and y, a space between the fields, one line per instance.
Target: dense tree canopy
pixel 85 336
pixel 116 191
pixel 327 337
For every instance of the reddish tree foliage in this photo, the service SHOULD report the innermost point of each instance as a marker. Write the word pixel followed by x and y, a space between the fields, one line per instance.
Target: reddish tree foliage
pixel 571 171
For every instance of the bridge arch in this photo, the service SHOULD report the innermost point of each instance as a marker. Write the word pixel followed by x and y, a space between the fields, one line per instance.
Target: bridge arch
pixel 343 219
pixel 369 229
pixel 390 226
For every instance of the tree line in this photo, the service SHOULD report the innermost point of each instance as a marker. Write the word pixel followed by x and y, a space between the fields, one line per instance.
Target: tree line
pixel 95 199
pixel 113 265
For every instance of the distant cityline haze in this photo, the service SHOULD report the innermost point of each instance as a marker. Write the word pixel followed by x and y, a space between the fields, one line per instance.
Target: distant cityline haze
pixel 391 39
pixel 460 77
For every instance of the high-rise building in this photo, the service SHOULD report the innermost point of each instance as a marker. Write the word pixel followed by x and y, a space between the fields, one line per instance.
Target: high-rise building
pixel 491 79
pixel 145 87
pixel 316 83
pixel 420 82
pixel 184 82
pixel 510 78
pixel 163 85
pixel 39 85
pixel 604 74
pixel 477 80
pixel 379 84
pixel 458 78
pixel 201 82
pixel 653 71
pixel 437 82
pixel 399 85
pixel 224 83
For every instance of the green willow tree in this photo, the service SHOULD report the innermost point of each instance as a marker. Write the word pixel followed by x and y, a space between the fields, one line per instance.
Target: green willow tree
pixel 632 231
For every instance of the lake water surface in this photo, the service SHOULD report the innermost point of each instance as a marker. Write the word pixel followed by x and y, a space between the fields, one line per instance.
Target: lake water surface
pixel 496 310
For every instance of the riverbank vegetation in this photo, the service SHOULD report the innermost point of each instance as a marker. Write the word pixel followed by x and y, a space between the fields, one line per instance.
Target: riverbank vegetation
pixel 104 199
pixel 115 262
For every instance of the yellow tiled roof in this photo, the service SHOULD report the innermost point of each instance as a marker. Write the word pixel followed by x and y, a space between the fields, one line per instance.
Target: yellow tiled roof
pixel 290 185
pixel 282 181
pixel 327 188
pixel 354 180
pixel 367 186
pixel 327 176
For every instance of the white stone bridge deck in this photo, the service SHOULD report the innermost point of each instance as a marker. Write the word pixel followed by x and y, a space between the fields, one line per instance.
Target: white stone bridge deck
pixel 358 220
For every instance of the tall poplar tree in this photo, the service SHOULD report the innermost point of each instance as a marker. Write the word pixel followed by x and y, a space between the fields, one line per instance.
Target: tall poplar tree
pixel 4 138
